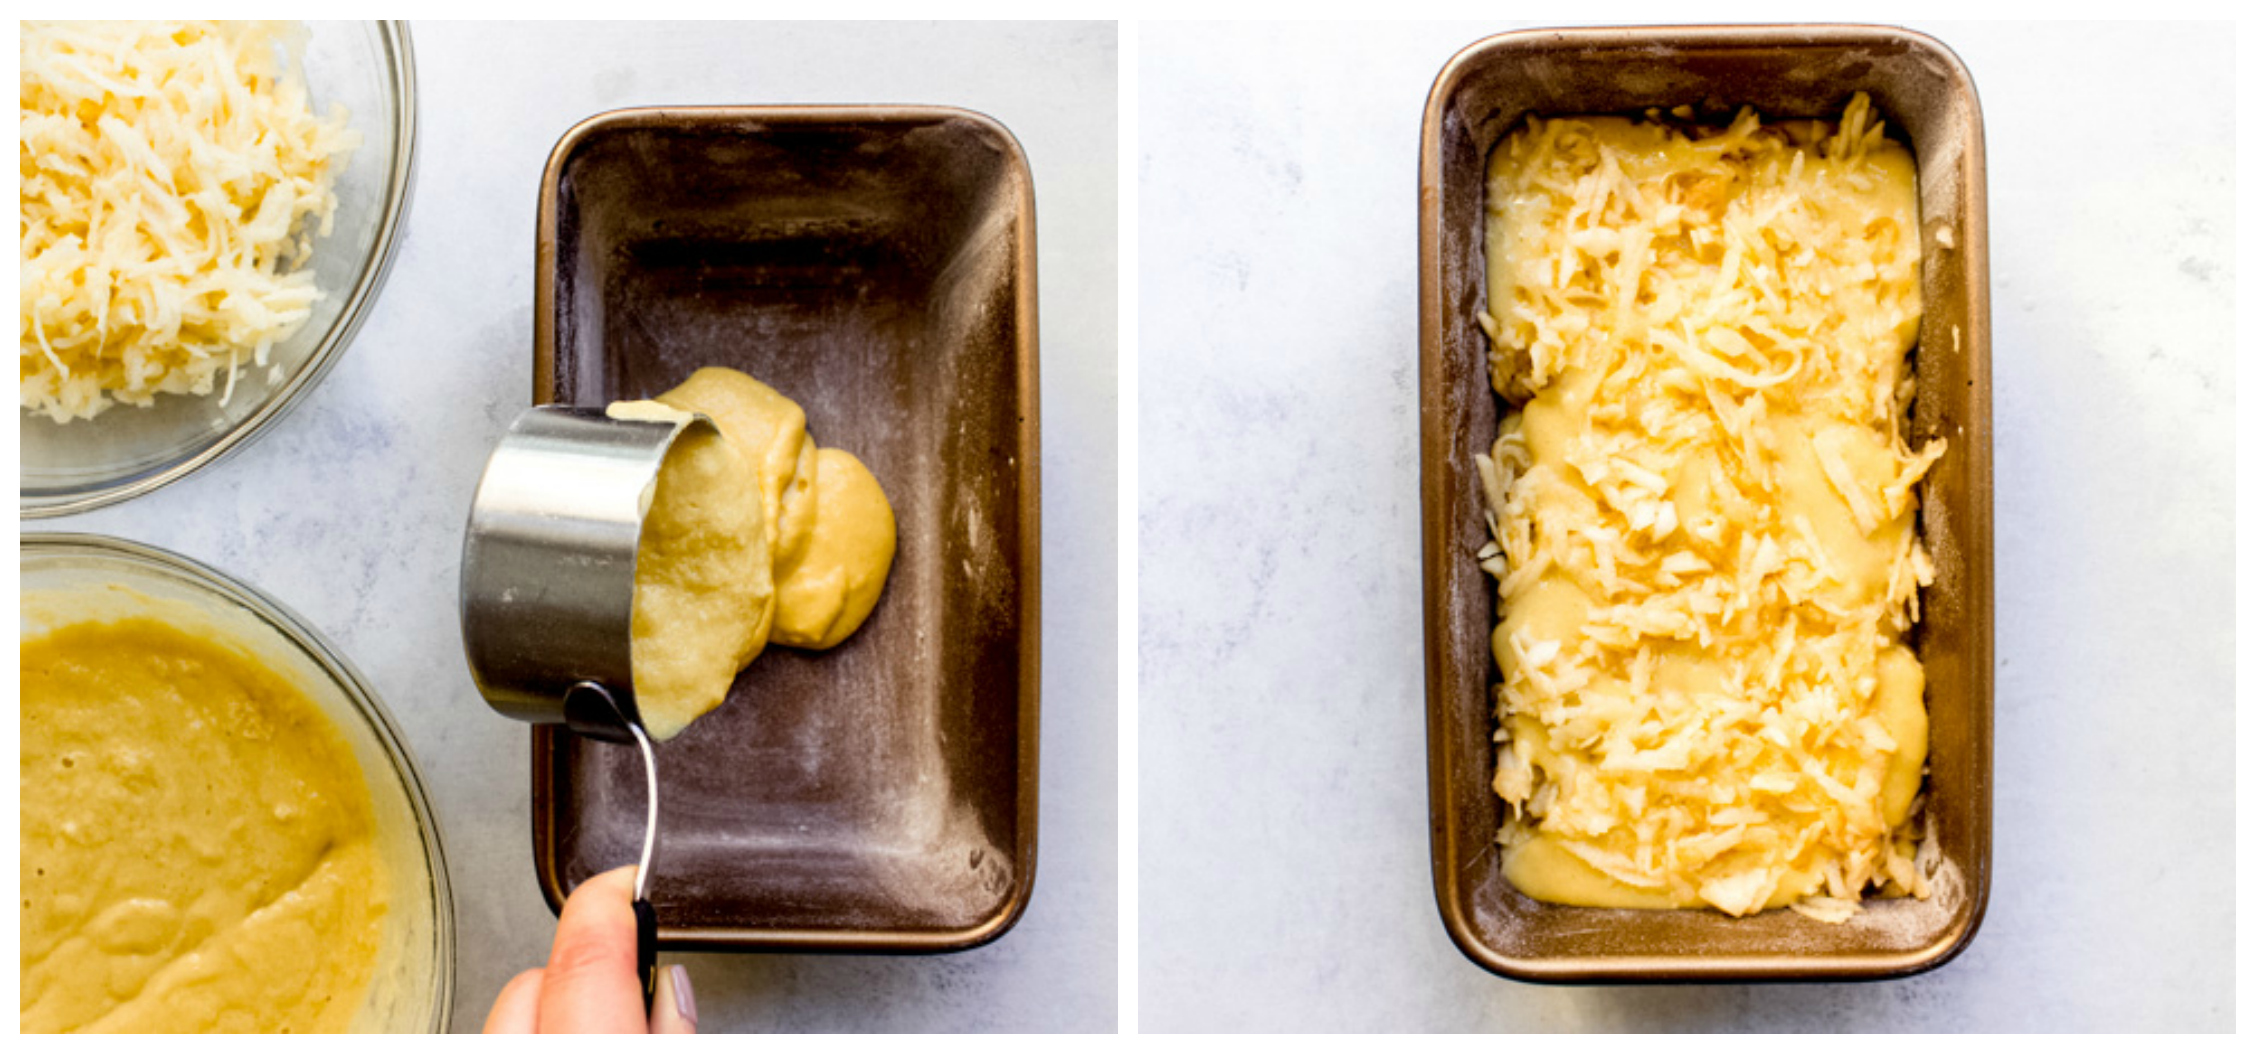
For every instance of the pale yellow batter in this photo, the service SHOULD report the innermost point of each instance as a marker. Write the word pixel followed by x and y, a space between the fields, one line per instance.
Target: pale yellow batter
pixel 1703 508
pixel 825 595
pixel 197 839
pixel 704 584
pixel 770 431
pixel 755 537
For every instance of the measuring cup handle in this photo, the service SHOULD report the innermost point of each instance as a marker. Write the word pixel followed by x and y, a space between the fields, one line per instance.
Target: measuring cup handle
pixel 646 952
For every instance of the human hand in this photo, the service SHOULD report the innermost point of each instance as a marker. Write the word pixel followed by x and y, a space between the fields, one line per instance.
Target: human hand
pixel 590 984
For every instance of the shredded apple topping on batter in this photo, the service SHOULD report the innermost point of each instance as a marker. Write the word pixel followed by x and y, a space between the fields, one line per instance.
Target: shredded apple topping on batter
pixel 1702 505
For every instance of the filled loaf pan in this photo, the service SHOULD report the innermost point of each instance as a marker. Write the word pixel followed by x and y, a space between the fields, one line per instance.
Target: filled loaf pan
pixel 1928 100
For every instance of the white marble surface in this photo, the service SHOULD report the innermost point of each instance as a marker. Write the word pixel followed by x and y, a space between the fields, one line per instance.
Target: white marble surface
pixel 351 510
pixel 1283 839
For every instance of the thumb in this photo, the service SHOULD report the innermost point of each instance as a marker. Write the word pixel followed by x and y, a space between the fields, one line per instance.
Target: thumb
pixel 590 983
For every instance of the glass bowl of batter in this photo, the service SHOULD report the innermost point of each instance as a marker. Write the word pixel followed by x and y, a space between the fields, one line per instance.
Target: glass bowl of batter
pixel 219 818
pixel 126 451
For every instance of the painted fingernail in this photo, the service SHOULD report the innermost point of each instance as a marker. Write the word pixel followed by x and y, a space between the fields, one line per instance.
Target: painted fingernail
pixel 685 1001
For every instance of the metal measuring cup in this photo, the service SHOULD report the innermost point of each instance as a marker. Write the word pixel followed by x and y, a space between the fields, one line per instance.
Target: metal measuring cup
pixel 548 563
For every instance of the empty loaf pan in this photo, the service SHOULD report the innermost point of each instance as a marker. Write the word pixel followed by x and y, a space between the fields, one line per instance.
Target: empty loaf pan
pixel 876 264
pixel 1927 98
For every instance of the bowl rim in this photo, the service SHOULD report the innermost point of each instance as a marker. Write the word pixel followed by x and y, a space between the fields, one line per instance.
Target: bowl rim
pixel 399 190
pixel 333 663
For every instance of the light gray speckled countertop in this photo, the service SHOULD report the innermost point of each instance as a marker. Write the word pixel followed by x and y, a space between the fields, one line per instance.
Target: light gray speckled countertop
pixel 351 510
pixel 1283 841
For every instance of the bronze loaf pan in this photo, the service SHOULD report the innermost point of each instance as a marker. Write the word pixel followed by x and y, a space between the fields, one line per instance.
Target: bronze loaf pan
pixel 1927 97
pixel 877 265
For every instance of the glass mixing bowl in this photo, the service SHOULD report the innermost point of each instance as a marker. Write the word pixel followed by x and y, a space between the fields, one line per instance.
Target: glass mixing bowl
pixel 73 578
pixel 128 451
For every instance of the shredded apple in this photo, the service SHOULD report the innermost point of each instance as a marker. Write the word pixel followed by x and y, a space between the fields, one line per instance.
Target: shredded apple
pixel 1702 506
